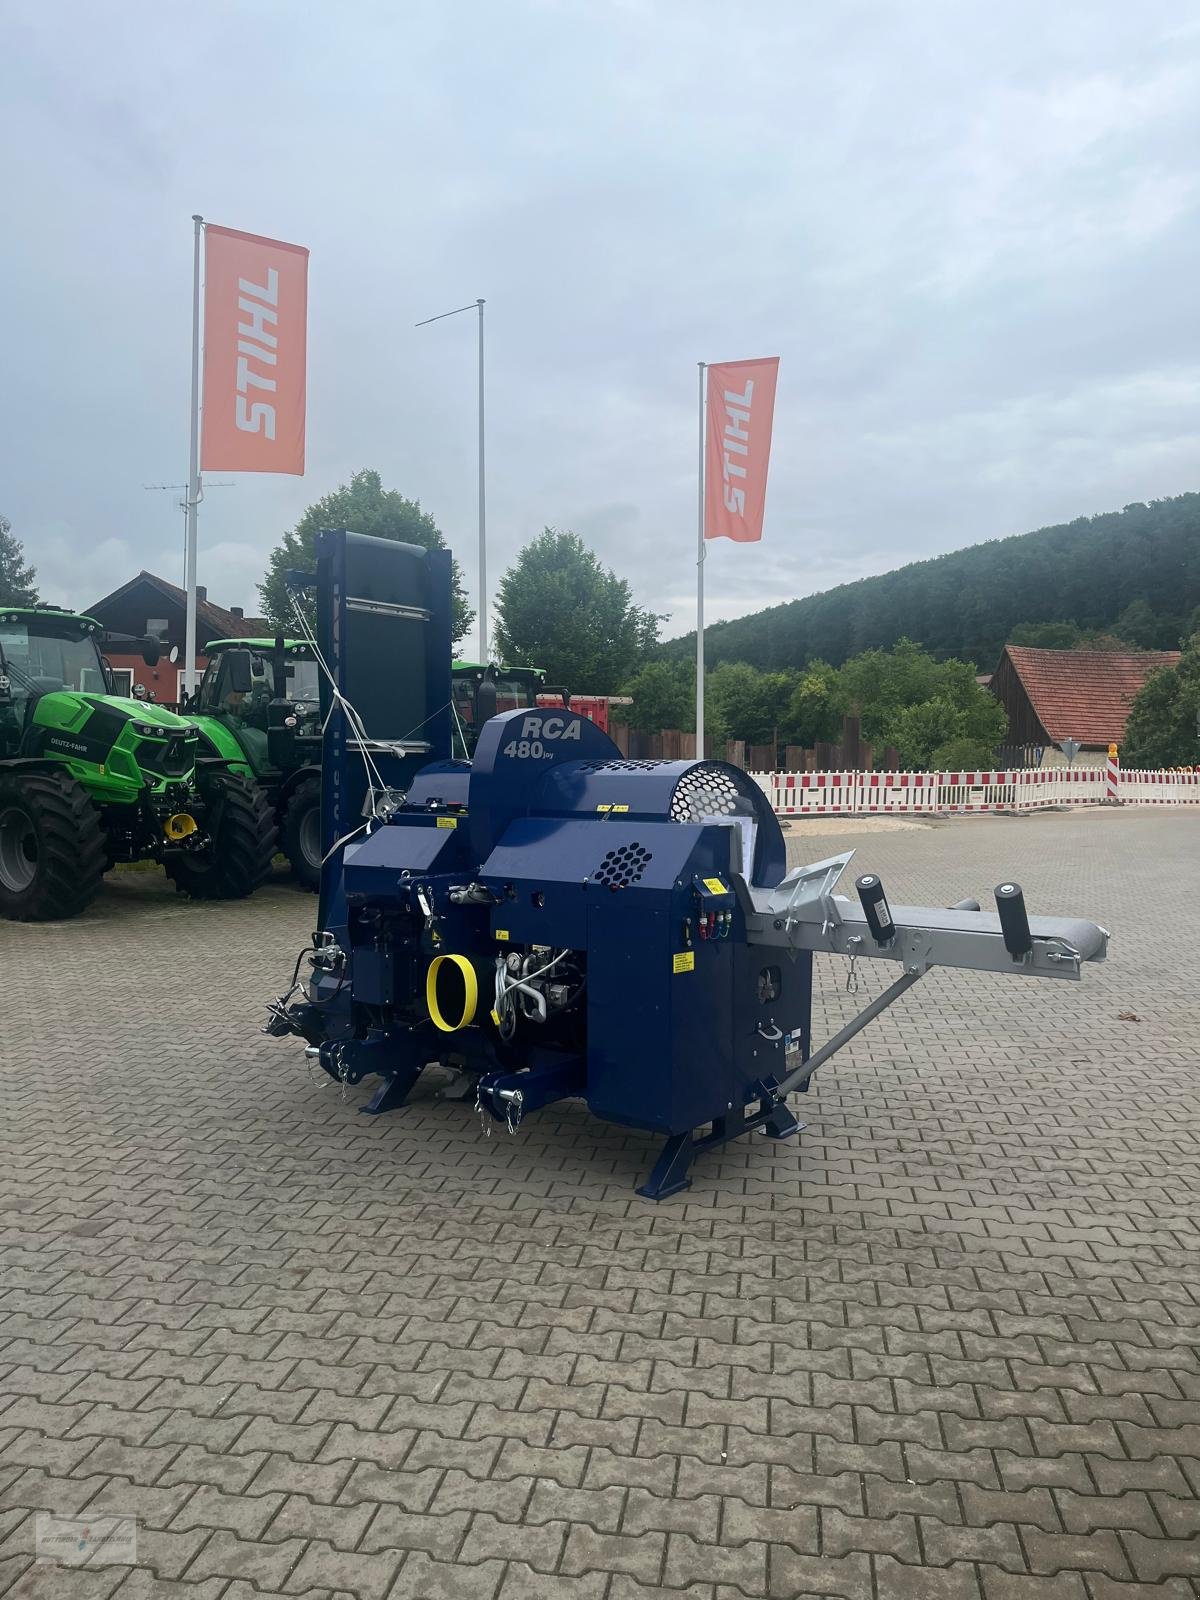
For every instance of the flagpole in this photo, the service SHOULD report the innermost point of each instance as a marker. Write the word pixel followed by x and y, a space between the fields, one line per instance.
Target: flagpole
pixel 700 554
pixel 483 595
pixel 193 484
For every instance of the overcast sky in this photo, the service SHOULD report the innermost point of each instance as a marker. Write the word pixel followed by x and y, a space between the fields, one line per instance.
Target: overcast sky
pixel 969 230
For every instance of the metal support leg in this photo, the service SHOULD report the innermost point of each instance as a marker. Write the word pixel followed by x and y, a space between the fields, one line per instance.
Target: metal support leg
pixel 780 1123
pixel 391 1093
pixel 671 1170
pixel 799 1078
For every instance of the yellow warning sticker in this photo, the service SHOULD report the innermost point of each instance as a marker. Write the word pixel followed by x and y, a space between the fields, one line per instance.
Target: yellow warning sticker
pixel 611 807
pixel 447 822
pixel 714 886
pixel 683 961
pixel 502 933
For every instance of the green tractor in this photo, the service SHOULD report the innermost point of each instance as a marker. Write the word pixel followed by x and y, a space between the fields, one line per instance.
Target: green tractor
pixel 258 709
pixel 482 691
pixel 89 778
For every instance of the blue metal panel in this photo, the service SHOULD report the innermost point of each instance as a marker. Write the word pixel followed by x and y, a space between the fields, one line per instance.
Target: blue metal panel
pixel 383 626
pixel 514 753
pixel 545 871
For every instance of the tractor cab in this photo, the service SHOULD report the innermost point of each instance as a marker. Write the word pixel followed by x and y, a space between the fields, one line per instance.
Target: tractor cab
pixel 47 651
pixel 264 693
pixel 481 692
pixel 258 708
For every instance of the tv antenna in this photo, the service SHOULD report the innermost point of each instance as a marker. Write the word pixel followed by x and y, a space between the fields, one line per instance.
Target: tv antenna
pixel 221 483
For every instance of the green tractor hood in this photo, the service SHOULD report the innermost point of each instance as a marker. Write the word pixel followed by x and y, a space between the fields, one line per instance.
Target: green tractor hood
pixel 114 746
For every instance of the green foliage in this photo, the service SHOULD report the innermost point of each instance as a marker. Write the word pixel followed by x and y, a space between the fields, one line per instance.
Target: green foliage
pixel 740 703
pixel 1068 636
pixel 1163 728
pixel 364 506
pixel 664 696
pixel 1142 628
pixel 560 609
pixel 903 696
pixel 815 709
pixel 961 755
pixel 17 587
pixel 967 604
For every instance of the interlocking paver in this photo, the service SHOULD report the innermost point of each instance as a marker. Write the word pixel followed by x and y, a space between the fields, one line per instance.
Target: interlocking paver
pixel 945 1347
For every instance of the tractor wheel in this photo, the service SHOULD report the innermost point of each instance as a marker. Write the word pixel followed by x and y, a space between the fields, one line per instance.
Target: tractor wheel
pixel 239 856
pixel 52 847
pixel 302 832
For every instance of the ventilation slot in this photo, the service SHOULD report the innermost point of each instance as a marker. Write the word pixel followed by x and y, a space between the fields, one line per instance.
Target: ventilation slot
pixel 620 766
pixel 622 867
pixel 704 792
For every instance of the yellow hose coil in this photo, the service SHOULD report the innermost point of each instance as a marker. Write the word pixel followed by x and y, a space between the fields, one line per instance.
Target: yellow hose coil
pixel 470 995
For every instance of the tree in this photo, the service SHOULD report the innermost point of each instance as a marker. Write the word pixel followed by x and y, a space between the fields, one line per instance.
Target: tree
pixel 558 608
pixel 663 695
pixel 1163 729
pixel 1138 624
pixel 364 506
pixel 17 587
pixel 815 709
pixel 742 703
pixel 968 603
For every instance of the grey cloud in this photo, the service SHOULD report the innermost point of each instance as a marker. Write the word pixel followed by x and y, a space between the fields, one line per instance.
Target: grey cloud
pixel 970 233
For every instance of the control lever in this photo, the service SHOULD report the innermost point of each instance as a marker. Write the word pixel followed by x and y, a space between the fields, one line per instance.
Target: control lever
pixel 875 908
pixel 1014 922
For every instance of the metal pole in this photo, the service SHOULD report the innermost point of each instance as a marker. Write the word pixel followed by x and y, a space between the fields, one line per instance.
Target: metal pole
pixel 483 633
pixel 881 1002
pixel 193 484
pixel 700 553
pixel 483 594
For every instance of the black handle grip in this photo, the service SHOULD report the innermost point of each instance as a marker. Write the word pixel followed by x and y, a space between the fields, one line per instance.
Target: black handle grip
pixel 875 908
pixel 1014 923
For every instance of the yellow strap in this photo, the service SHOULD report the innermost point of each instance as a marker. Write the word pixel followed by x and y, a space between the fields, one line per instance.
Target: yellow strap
pixel 470 995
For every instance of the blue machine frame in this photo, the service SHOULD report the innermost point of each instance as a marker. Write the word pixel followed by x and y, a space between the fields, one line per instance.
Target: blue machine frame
pixel 621 931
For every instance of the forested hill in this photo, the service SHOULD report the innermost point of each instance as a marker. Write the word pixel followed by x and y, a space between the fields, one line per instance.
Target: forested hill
pixel 1090 571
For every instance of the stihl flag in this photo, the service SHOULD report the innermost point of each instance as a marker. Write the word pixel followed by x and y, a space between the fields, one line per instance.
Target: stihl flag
pixel 741 404
pixel 255 330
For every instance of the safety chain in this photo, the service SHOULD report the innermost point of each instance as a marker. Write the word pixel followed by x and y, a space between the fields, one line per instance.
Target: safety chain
pixel 343 1065
pixel 514 1111
pixel 485 1121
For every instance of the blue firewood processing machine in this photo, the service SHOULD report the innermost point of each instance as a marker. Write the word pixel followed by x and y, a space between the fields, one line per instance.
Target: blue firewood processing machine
pixel 553 920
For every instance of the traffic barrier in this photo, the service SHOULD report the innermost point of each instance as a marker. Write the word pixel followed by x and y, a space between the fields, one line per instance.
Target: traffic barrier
pixel 799 794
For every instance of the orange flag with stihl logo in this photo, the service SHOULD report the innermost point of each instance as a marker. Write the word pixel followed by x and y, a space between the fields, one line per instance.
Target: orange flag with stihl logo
pixel 741 406
pixel 255 335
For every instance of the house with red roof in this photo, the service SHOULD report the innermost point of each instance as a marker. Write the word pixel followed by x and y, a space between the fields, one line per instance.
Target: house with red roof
pixel 1085 695
pixel 149 605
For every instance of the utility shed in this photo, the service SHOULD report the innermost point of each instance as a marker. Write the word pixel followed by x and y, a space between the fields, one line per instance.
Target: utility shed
pixel 1052 695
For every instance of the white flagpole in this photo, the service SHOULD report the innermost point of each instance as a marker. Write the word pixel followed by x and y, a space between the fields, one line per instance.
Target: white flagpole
pixel 483 593
pixel 700 553
pixel 483 598
pixel 193 484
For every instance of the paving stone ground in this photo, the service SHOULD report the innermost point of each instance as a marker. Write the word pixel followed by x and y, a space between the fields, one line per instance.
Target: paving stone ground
pixel 943 1348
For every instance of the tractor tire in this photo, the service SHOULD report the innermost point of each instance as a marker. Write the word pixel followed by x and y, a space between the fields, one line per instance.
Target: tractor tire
pixel 239 857
pixel 302 832
pixel 52 847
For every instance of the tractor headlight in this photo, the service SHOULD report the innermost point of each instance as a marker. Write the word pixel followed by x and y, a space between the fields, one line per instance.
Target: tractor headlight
pixel 150 730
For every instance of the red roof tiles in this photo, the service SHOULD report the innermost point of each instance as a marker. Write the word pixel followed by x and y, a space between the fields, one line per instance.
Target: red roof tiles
pixel 1084 694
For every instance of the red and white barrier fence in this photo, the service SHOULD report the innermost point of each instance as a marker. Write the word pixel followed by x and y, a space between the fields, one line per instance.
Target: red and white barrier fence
pixel 808 794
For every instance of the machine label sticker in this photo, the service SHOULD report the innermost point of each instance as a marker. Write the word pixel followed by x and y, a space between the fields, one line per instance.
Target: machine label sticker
pixel 536 730
pixel 611 807
pixel 683 961
pixel 447 822
pixel 502 933
pixel 714 886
